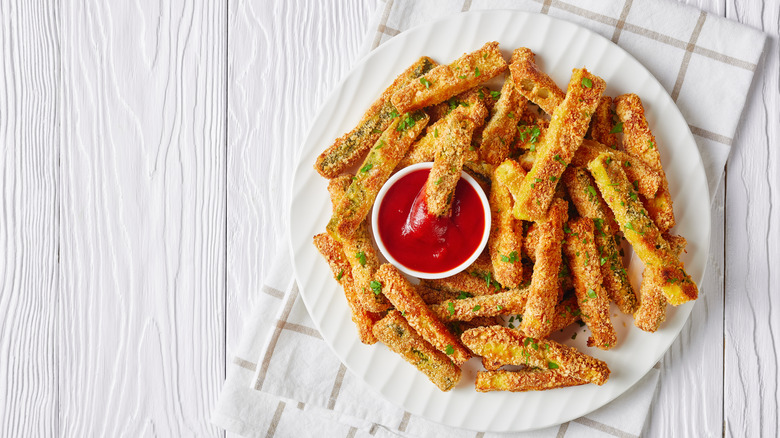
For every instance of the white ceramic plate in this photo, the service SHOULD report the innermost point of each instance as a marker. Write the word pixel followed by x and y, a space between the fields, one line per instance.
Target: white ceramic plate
pixel 560 46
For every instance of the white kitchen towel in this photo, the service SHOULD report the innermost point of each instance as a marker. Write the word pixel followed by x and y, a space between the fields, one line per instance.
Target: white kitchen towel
pixel 284 380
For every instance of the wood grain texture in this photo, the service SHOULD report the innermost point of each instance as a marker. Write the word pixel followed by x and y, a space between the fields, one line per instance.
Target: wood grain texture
pixel 752 317
pixel 141 328
pixel 284 57
pixel 29 148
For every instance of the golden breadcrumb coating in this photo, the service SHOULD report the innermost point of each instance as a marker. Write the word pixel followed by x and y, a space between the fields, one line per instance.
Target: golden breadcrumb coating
pixel 445 81
pixel 334 255
pixel 580 249
pixel 505 243
pixel 652 310
pixel 501 129
pixel 395 332
pixel 509 302
pixel 347 150
pixel 640 142
pixel 392 145
pixel 648 180
pixel 602 127
pixel 531 379
pixel 567 129
pixel 406 300
pixel 512 347
pixel 532 83
pixel 545 287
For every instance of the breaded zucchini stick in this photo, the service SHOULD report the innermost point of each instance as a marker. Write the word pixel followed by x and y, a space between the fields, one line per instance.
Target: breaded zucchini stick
pixel 509 302
pixel 505 242
pixel 445 81
pixel 450 156
pixel 395 332
pixel 580 248
pixel 347 150
pixel 652 311
pixel 640 230
pixel 545 288
pixel 424 149
pixel 392 145
pixel 364 260
pixel 474 282
pixel 648 180
pixel 334 255
pixel 602 128
pixel 510 175
pixel 511 347
pixel 589 203
pixel 567 129
pixel 501 129
pixel 534 379
pixel 529 134
pixel 640 142
pixel 533 83
pixel 406 300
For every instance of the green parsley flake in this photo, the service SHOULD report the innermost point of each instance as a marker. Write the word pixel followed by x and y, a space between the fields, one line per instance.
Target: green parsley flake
pixel 361 256
pixel 463 295
pixel 341 274
pixel 591 293
pixel 552 365
pixel 451 308
pixel 477 307
pixel 510 259
pixel 553 178
pixel 380 145
pixel 499 307
pixel 449 350
pixel 476 72
pixel 376 287
pixel 366 168
pixel 495 94
pixel 587 83
pixel 617 128
pixel 425 82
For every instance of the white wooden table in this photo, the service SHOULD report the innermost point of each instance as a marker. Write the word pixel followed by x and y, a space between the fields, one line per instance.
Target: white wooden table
pixel 145 151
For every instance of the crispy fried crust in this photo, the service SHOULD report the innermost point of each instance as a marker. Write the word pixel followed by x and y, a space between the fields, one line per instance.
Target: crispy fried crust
pixel 471 282
pixel 406 300
pixel 602 126
pixel 580 249
pixel 395 332
pixel 473 107
pixel 545 288
pixel 450 155
pixel 364 261
pixel 652 311
pixel 567 312
pixel 587 199
pixel 392 145
pixel 640 142
pixel 445 81
pixel 510 175
pixel 534 379
pixel 334 255
pixel 505 242
pixel 648 180
pixel 501 129
pixel 509 302
pixel 533 83
pixel 511 347
pixel 346 151
pixel 567 129
pixel 640 230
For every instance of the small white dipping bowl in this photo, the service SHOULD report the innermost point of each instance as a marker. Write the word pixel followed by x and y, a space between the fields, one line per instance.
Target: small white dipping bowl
pixel 378 239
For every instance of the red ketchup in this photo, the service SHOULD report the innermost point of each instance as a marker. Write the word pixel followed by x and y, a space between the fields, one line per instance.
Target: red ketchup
pixel 421 241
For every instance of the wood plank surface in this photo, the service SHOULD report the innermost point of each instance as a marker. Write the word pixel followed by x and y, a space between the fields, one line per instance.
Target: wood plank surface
pixel 141 305
pixel 29 147
pixel 752 316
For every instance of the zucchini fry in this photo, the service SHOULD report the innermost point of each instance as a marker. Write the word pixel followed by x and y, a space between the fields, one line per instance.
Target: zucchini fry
pixel 346 151
pixel 652 311
pixel 589 203
pixel 364 260
pixel 640 230
pixel 334 255
pixel 450 152
pixel 509 302
pixel 510 347
pixel 534 379
pixel 501 129
pixel 392 145
pixel 648 180
pixel 580 248
pixel 445 81
pixel 545 288
pixel 505 244
pixel 640 142
pixel 406 300
pixel 567 129
pixel 395 332
pixel 533 83
pixel 602 128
